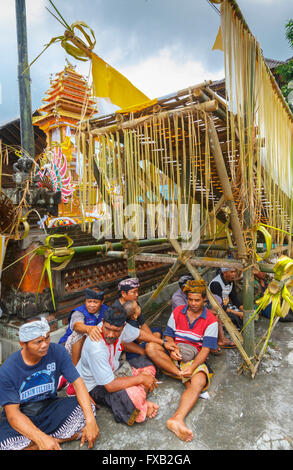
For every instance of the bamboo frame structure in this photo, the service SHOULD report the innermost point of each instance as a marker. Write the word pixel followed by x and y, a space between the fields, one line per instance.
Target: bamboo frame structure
pixel 191 147
pixel 216 177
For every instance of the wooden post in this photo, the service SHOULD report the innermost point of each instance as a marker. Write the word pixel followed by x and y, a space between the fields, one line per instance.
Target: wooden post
pixel 216 210
pixel 26 125
pixel 131 249
pixel 248 284
pixel 224 179
pixel 169 259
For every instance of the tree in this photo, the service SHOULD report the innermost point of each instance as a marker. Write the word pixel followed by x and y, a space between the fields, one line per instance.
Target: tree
pixel 285 71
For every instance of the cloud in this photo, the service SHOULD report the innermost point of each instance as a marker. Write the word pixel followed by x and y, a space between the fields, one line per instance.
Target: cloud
pixel 167 71
pixel 160 45
pixel 35 12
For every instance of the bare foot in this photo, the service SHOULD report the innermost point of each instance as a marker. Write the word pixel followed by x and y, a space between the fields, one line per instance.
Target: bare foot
pixel 179 429
pixel 152 409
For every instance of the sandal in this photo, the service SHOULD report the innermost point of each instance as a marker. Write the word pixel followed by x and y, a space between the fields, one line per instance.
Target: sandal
pixel 216 352
pixel 229 345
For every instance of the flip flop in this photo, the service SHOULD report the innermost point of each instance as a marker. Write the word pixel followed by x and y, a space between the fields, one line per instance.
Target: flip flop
pixel 216 352
pixel 229 345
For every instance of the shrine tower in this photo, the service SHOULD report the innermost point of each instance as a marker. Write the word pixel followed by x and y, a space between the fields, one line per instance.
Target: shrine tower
pixel 67 102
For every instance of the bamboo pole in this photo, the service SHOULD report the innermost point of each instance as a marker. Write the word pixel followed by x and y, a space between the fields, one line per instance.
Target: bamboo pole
pixel 203 98
pixel 215 211
pixel 105 247
pixel 26 125
pixel 161 101
pixel 172 271
pixel 169 259
pixel 130 256
pixel 248 286
pixel 135 122
pixel 224 179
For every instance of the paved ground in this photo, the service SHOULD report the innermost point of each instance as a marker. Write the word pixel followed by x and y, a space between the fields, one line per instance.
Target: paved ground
pixel 241 414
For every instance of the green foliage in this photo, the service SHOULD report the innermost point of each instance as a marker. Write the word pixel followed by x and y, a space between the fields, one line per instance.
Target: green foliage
pixel 285 71
pixel 289 32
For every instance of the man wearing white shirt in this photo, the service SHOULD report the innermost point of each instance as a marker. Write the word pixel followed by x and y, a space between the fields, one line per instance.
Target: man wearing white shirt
pixel 98 366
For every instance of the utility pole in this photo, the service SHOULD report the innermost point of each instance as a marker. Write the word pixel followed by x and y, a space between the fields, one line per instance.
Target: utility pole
pixel 26 125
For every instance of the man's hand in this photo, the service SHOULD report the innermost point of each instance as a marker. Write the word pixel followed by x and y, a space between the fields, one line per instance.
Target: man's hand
pixel 90 433
pixel 95 333
pixel 47 443
pixel 169 346
pixel 236 312
pixel 187 372
pixel 175 354
pixel 225 301
pixel 148 381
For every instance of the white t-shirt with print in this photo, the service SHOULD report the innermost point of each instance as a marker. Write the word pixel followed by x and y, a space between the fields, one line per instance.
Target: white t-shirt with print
pixel 99 360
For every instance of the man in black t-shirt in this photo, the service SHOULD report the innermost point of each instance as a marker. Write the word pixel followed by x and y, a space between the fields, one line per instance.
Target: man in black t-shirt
pixel 128 290
pixel 223 286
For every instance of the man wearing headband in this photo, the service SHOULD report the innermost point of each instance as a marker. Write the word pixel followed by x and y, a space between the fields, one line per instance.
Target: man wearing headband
pixel 195 327
pixel 128 290
pixel 223 286
pixel 34 417
pixel 83 321
pixel 99 364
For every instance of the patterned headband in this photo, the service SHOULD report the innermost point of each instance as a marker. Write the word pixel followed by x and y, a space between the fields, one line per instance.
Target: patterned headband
pixel 197 287
pixel 128 284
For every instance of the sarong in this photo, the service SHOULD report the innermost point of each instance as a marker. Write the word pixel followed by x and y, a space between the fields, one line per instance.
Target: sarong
pixel 71 340
pixel 60 418
pixel 201 368
pixel 128 405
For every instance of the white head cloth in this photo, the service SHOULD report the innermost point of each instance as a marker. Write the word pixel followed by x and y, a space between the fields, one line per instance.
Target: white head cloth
pixel 33 330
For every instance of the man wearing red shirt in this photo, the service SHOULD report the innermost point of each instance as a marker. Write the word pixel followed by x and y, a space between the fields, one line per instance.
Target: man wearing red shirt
pixel 195 328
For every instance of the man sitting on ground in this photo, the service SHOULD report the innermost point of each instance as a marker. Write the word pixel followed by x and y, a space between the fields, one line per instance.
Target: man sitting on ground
pixel 34 417
pixel 180 298
pixel 83 321
pixel 223 286
pixel 128 290
pixel 99 368
pixel 136 349
pixel 193 331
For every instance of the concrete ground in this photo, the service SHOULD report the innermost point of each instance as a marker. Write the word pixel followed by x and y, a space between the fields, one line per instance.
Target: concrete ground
pixel 241 414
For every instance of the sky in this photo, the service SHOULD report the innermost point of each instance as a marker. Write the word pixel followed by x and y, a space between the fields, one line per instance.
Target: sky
pixel 161 46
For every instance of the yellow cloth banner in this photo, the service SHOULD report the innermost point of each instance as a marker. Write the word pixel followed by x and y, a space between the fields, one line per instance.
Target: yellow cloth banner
pixel 138 107
pixel 109 83
pixel 219 41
